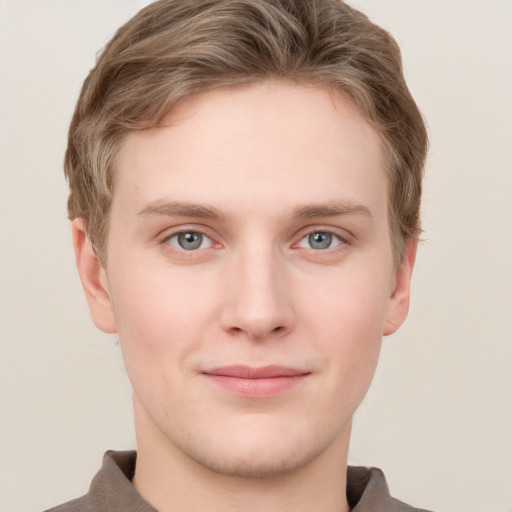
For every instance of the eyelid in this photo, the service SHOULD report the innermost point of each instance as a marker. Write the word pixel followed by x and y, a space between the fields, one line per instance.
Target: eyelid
pixel 334 238
pixel 169 233
pixel 205 241
pixel 343 235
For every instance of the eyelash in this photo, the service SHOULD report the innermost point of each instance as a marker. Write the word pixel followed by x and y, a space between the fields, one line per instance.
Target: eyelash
pixel 332 237
pixel 176 234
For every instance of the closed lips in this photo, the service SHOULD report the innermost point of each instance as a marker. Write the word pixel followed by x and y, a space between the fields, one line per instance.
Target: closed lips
pixel 247 372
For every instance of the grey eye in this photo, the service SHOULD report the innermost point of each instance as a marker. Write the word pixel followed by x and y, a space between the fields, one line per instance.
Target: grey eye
pixel 320 240
pixel 190 241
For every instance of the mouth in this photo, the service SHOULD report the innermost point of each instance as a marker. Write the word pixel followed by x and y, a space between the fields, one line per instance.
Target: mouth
pixel 256 382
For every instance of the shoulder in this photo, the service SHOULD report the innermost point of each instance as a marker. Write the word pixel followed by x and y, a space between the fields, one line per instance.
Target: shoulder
pixel 111 489
pixel 82 504
pixel 367 491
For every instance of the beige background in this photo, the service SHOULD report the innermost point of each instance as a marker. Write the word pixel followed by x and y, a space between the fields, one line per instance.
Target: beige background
pixel 438 419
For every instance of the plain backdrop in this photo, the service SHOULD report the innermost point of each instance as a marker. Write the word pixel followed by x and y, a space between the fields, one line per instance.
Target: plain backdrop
pixel 438 419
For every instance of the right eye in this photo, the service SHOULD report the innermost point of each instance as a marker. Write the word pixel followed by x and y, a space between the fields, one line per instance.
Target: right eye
pixel 189 240
pixel 321 240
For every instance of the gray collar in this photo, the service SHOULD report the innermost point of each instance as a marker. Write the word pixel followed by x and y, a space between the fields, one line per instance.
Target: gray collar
pixel 112 491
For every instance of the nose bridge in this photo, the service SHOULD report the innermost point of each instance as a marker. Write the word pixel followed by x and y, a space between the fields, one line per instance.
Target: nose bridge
pixel 257 303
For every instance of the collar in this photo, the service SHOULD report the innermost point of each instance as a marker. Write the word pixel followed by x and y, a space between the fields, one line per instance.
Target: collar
pixel 111 489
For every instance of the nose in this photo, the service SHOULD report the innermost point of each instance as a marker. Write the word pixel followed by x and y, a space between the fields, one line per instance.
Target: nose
pixel 257 303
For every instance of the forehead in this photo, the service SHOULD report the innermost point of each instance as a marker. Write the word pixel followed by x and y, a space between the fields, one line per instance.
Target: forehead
pixel 273 140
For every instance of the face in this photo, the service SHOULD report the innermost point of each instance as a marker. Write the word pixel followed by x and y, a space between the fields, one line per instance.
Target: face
pixel 250 276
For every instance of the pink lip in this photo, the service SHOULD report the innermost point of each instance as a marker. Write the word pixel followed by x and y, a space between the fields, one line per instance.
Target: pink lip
pixel 256 382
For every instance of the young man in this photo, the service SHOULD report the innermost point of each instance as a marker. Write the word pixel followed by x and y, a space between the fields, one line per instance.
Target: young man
pixel 245 183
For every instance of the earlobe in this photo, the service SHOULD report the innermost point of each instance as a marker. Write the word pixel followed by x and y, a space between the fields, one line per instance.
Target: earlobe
pixel 398 306
pixel 93 278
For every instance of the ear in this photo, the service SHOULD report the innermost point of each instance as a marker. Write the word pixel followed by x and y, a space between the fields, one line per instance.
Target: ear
pixel 398 306
pixel 94 279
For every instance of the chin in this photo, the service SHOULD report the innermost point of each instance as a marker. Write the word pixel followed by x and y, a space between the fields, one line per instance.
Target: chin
pixel 266 451
pixel 253 463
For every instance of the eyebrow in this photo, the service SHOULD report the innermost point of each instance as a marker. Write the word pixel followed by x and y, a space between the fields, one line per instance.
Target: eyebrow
pixel 184 209
pixel 301 212
pixel 330 209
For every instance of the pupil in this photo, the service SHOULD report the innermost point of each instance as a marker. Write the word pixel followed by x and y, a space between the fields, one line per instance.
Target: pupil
pixel 320 240
pixel 189 241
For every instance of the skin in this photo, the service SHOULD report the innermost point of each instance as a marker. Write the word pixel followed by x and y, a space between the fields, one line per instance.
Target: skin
pixel 251 173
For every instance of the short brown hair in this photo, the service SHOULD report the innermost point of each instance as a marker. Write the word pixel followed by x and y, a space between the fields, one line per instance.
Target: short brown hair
pixel 175 48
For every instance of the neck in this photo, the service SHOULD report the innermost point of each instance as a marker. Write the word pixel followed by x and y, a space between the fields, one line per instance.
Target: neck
pixel 170 480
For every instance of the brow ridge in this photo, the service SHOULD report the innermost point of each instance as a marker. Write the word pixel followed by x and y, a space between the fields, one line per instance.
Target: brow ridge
pixel 301 212
pixel 180 208
pixel 330 209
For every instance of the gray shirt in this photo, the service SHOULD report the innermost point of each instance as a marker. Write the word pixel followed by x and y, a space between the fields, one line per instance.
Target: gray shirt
pixel 111 490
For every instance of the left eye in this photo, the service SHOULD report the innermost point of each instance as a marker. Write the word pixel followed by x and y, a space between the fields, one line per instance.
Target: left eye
pixel 320 240
pixel 190 241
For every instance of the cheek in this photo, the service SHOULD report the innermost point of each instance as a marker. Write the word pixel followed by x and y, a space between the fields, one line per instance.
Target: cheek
pixel 157 330
pixel 352 303
pixel 157 316
pixel 346 318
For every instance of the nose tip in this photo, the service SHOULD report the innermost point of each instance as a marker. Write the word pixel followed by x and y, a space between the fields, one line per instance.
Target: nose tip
pixel 257 329
pixel 258 304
